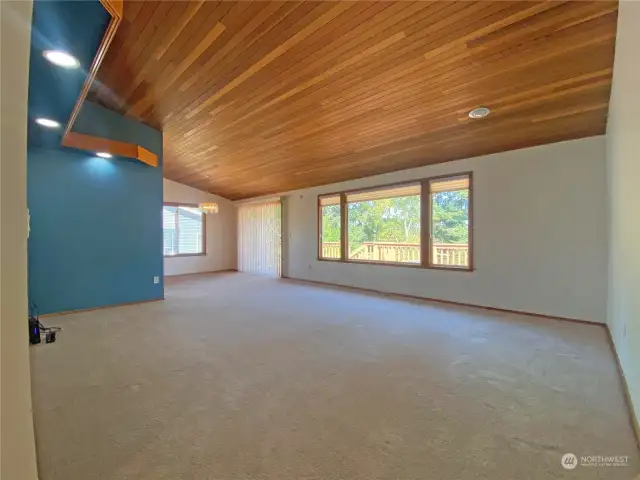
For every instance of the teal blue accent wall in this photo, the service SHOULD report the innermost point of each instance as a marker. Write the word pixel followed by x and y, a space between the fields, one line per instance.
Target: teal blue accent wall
pixel 96 224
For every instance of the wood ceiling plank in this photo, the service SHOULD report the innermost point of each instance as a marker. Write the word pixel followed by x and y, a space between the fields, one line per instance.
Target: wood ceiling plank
pixel 410 114
pixel 296 94
pixel 542 23
pixel 237 41
pixel 160 16
pixel 274 54
pixel 191 10
pixel 413 46
pixel 128 32
pixel 550 53
pixel 168 82
pixel 444 149
pixel 153 14
pixel 230 124
pixel 385 90
pixel 299 20
pixel 204 43
pixel 386 43
pixel 209 14
pixel 235 18
pixel 492 27
pixel 130 11
pixel 601 106
pixel 246 97
pixel 453 122
pixel 283 24
pixel 143 61
pixel 409 67
pixel 381 134
pixel 384 18
pixel 404 94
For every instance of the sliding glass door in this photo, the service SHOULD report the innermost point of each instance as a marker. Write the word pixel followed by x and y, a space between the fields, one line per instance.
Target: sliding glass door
pixel 259 238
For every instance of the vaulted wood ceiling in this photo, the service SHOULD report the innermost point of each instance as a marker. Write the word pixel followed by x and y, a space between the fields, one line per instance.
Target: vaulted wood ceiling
pixel 257 98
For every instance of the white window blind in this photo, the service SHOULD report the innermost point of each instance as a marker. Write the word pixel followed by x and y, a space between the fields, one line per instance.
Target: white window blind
pixel 333 200
pixel 449 184
pixel 384 193
pixel 259 247
pixel 183 229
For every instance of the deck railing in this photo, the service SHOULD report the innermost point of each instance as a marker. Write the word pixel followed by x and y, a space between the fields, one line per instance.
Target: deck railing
pixel 448 254
pixel 331 250
pixel 443 254
pixel 387 252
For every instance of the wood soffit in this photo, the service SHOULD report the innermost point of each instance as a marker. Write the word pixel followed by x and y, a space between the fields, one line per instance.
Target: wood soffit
pixel 256 98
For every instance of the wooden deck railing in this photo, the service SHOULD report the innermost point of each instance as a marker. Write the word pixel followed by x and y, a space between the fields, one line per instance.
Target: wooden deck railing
pixel 448 254
pixel 443 254
pixel 331 250
pixel 387 252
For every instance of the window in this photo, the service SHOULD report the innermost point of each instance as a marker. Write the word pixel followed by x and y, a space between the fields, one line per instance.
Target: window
pixel 183 230
pixel 449 221
pixel 425 223
pixel 330 227
pixel 384 225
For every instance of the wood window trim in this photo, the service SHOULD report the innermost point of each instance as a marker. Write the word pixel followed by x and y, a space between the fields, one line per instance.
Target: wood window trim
pixel 204 231
pixel 425 225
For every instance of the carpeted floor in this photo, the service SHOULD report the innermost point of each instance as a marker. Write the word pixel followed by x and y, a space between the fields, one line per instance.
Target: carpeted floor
pixel 238 377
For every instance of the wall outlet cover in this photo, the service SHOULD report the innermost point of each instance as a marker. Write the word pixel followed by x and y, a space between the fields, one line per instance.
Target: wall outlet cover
pixel 156 279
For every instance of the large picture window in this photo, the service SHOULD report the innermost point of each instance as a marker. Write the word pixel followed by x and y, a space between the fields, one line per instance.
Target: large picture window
pixel 384 225
pixel 425 223
pixel 183 230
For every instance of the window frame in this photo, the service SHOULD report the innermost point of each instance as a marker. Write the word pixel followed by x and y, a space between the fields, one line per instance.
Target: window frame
pixel 319 229
pixel 425 225
pixel 203 236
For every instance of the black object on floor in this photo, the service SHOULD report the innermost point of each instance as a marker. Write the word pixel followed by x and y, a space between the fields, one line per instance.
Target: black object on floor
pixel 36 328
pixel 34 331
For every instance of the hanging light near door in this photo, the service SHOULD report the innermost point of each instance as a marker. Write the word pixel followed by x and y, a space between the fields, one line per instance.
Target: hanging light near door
pixel 208 207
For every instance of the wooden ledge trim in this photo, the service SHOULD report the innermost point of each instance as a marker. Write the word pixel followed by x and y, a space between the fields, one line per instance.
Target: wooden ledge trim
pixel 114 147
pixel 145 156
pixel 114 7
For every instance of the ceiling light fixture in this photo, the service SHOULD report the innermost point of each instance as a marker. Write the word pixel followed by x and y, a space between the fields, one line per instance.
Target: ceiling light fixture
pixel 104 155
pixel 62 59
pixel 47 122
pixel 479 112
pixel 208 207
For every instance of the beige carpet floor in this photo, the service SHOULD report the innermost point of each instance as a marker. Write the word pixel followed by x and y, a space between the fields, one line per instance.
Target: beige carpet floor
pixel 238 377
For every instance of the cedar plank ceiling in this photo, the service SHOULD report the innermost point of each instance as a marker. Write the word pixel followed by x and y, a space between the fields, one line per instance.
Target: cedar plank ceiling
pixel 256 98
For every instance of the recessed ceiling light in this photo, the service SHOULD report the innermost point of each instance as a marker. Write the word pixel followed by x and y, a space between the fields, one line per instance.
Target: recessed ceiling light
pixel 104 155
pixel 47 122
pixel 479 112
pixel 62 59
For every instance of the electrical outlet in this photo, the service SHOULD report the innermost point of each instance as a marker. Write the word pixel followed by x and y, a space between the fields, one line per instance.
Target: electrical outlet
pixel 156 279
